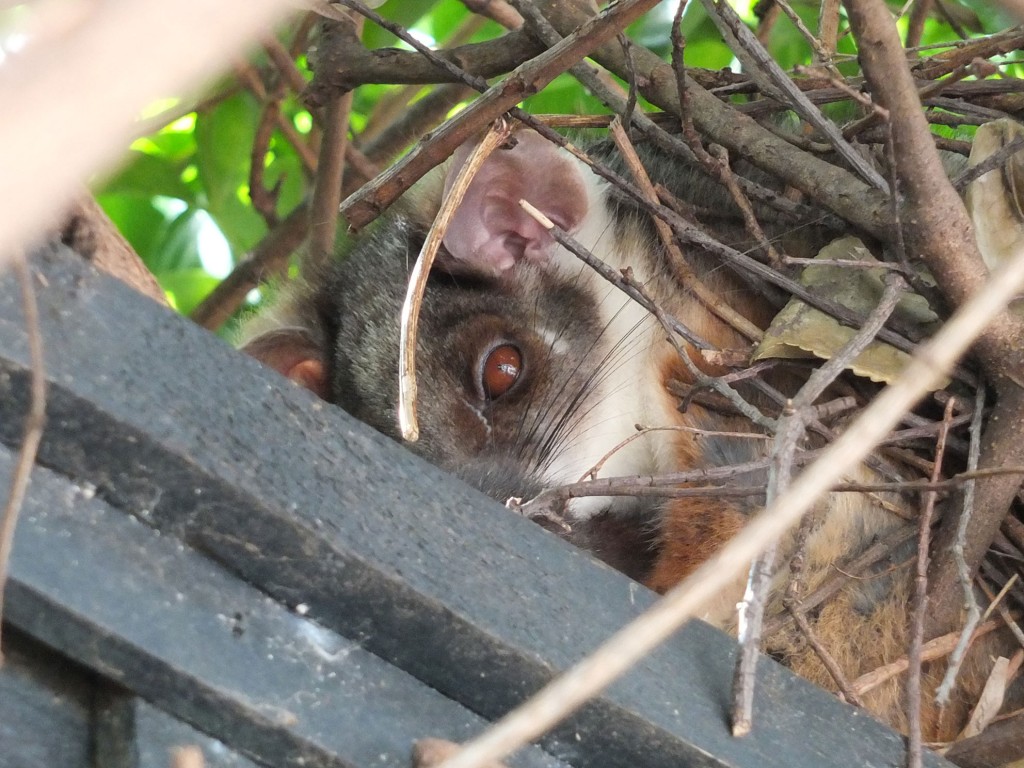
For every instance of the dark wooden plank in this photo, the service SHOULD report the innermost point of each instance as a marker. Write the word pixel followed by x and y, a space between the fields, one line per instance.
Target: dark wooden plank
pixel 45 707
pixel 316 509
pixel 158 734
pixel 165 622
pixel 131 733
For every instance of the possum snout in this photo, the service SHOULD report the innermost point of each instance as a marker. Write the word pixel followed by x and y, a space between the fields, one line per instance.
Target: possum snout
pixel 499 477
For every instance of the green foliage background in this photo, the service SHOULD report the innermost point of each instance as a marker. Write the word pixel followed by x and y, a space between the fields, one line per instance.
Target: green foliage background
pixel 182 197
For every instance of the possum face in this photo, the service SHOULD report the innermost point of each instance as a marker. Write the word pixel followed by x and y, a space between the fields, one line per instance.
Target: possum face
pixel 505 364
pixel 512 353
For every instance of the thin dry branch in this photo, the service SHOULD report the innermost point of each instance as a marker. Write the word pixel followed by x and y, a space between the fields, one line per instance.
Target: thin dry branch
pixel 330 173
pixel 919 605
pixel 407 421
pixel 35 420
pixel 357 66
pixel 963 569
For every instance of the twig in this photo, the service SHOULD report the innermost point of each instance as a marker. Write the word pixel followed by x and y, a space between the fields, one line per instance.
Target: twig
pixel 770 76
pixel 284 62
pixel 715 162
pixel 636 292
pixel 330 171
pixel 35 421
pixel 996 160
pixel 790 432
pixel 920 601
pixel 935 648
pixel 828 27
pixel 264 200
pixel 686 276
pixel 408 424
pixel 918 15
pixel 792 603
pixel 1004 612
pixel 821 55
pixel 642 430
pixel 565 694
pixel 970 603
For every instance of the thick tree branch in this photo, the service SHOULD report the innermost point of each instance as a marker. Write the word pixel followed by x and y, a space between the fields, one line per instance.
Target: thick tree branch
pixel 345 68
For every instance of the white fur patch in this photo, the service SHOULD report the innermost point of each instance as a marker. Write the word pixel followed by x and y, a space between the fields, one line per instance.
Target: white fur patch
pixel 629 390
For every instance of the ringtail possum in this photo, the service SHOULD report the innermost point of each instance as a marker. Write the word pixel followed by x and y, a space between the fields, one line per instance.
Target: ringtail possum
pixel 532 370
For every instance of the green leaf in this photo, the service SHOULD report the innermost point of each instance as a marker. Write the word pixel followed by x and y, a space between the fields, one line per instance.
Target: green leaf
pixel 148 175
pixel 178 248
pixel 224 139
pixel 187 288
pixel 138 219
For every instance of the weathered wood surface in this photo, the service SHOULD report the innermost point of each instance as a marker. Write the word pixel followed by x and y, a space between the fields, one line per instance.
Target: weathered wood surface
pixel 311 508
pixel 45 706
pixel 145 611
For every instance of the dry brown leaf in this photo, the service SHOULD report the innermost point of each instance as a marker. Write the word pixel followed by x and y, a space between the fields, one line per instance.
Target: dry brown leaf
pixel 992 696
pixel 995 199
pixel 800 331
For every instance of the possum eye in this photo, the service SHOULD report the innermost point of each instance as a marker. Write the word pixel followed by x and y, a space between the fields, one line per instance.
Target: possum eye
pixel 499 370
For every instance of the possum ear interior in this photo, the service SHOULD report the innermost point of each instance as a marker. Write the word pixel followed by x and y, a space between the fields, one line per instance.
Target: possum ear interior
pixel 490 233
pixel 292 352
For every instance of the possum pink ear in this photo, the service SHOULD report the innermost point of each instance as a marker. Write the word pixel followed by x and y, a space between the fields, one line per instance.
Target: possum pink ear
pixel 490 232
pixel 292 353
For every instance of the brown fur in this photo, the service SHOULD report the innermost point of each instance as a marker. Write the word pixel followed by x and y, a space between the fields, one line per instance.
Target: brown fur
pixel 865 625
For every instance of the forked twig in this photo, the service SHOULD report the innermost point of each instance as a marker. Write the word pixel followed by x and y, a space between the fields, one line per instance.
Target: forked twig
pixel 791 429
pixel 920 600
pixel 970 604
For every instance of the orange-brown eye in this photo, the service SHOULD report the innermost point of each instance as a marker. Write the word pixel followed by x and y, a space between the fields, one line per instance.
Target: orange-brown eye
pixel 500 370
